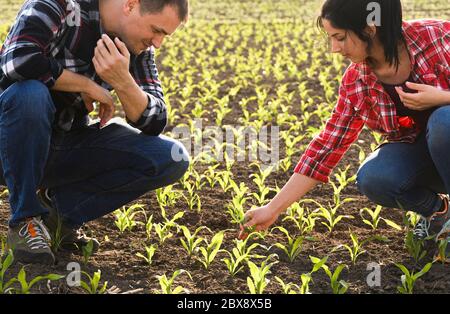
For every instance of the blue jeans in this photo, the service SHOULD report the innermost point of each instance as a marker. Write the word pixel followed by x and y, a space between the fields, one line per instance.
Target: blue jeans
pixel 90 171
pixel 409 176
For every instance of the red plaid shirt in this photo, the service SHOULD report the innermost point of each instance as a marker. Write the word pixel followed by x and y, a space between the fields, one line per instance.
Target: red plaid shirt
pixel 363 102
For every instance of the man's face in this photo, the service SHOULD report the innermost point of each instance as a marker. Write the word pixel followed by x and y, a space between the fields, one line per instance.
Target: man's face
pixel 139 32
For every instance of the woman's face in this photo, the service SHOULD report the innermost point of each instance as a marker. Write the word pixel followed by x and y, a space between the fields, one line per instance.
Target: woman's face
pixel 345 42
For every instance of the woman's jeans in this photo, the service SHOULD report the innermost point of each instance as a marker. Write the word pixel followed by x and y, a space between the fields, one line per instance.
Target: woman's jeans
pixel 409 176
pixel 90 171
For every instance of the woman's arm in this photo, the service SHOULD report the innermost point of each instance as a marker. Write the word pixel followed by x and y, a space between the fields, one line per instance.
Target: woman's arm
pixel 263 217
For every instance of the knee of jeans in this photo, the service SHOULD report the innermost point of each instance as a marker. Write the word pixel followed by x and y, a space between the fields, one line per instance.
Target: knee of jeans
pixel 179 160
pixel 437 128
pixel 29 99
pixel 374 184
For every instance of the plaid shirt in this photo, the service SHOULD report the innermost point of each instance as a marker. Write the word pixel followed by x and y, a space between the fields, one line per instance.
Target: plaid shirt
pixel 362 100
pixel 51 35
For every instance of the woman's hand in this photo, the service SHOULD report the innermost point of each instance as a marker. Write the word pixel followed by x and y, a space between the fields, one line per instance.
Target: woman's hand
pixel 259 218
pixel 427 96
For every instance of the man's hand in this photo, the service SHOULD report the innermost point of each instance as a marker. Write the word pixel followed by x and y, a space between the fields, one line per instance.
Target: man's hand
pixel 112 61
pixel 426 97
pixel 260 218
pixel 97 93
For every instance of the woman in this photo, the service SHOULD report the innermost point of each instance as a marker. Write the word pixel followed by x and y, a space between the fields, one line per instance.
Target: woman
pixel 398 84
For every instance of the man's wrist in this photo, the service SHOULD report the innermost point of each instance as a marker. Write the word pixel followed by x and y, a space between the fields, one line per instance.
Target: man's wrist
pixel 126 84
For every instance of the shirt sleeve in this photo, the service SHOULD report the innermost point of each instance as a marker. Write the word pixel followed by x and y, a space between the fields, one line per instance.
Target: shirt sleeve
pixel 25 52
pixel 327 149
pixel 154 118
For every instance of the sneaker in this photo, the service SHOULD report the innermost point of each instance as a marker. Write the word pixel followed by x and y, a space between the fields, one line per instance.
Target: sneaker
pixel 66 238
pixel 30 242
pixel 437 226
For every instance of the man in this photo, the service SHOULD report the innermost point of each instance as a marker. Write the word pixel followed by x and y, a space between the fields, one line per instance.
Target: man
pixel 60 57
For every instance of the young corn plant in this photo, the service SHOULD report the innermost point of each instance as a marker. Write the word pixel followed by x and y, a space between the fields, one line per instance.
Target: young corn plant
pixel 125 217
pixel 241 253
pixel 6 260
pixel 257 281
pixel 211 249
pixel 167 196
pixel 442 254
pixel 415 246
pixel 25 286
pixel 167 283
pixel 287 288
pixel 355 250
pixel 375 218
pixel 408 278
pixel 149 253
pixel 305 223
pixel 330 213
pixel 192 241
pixel 149 227
pixel 87 251
pixel 293 247
pixel 92 285
pixel 164 230
pixel 337 286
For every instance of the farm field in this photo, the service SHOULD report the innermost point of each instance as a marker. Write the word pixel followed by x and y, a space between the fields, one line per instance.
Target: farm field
pixel 240 67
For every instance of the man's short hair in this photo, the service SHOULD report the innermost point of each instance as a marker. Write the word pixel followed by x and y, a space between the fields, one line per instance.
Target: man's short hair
pixel 156 6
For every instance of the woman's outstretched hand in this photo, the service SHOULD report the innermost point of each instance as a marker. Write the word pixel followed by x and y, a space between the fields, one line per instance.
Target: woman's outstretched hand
pixel 257 219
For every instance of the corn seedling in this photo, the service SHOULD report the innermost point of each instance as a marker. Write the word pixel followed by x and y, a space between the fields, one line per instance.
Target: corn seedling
pixel 293 247
pixel 287 288
pixel 442 253
pixel 257 281
pixel 191 241
pixel 167 283
pixel 337 286
pixel 375 218
pixel 408 278
pixel 210 251
pixel 149 253
pixel 304 223
pixel 6 259
pixel 125 217
pixel 167 196
pixel 87 251
pixel 415 246
pixel 149 227
pixel 241 253
pixel 330 213
pixel 355 250
pixel 25 286
pixel 92 285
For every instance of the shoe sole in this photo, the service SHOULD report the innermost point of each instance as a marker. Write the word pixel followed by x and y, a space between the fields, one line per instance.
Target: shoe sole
pixel 26 257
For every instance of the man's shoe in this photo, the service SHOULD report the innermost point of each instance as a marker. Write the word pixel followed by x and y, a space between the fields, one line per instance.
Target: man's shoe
pixel 30 242
pixel 64 237
pixel 437 226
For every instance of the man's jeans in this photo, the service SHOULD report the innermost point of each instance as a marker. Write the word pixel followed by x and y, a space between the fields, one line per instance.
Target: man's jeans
pixel 409 176
pixel 90 171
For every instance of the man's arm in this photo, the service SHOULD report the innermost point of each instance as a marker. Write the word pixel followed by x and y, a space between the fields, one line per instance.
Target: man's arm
pixel 140 94
pixel 24 54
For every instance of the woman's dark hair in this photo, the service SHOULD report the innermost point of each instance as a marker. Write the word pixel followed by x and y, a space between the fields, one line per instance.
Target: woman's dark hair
pixel 353 15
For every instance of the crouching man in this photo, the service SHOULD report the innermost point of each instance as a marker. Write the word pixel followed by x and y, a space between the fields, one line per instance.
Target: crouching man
pixel 58 60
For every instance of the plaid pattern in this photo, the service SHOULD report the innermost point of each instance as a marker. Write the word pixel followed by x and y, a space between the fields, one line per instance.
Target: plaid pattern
pixel 51 35
pixel 363 102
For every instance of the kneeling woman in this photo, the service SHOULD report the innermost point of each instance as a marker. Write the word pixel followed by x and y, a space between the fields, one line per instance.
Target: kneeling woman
pixel 398 84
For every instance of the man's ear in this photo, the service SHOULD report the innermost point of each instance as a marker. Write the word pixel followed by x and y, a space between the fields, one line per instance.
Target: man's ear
pixel 129 6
